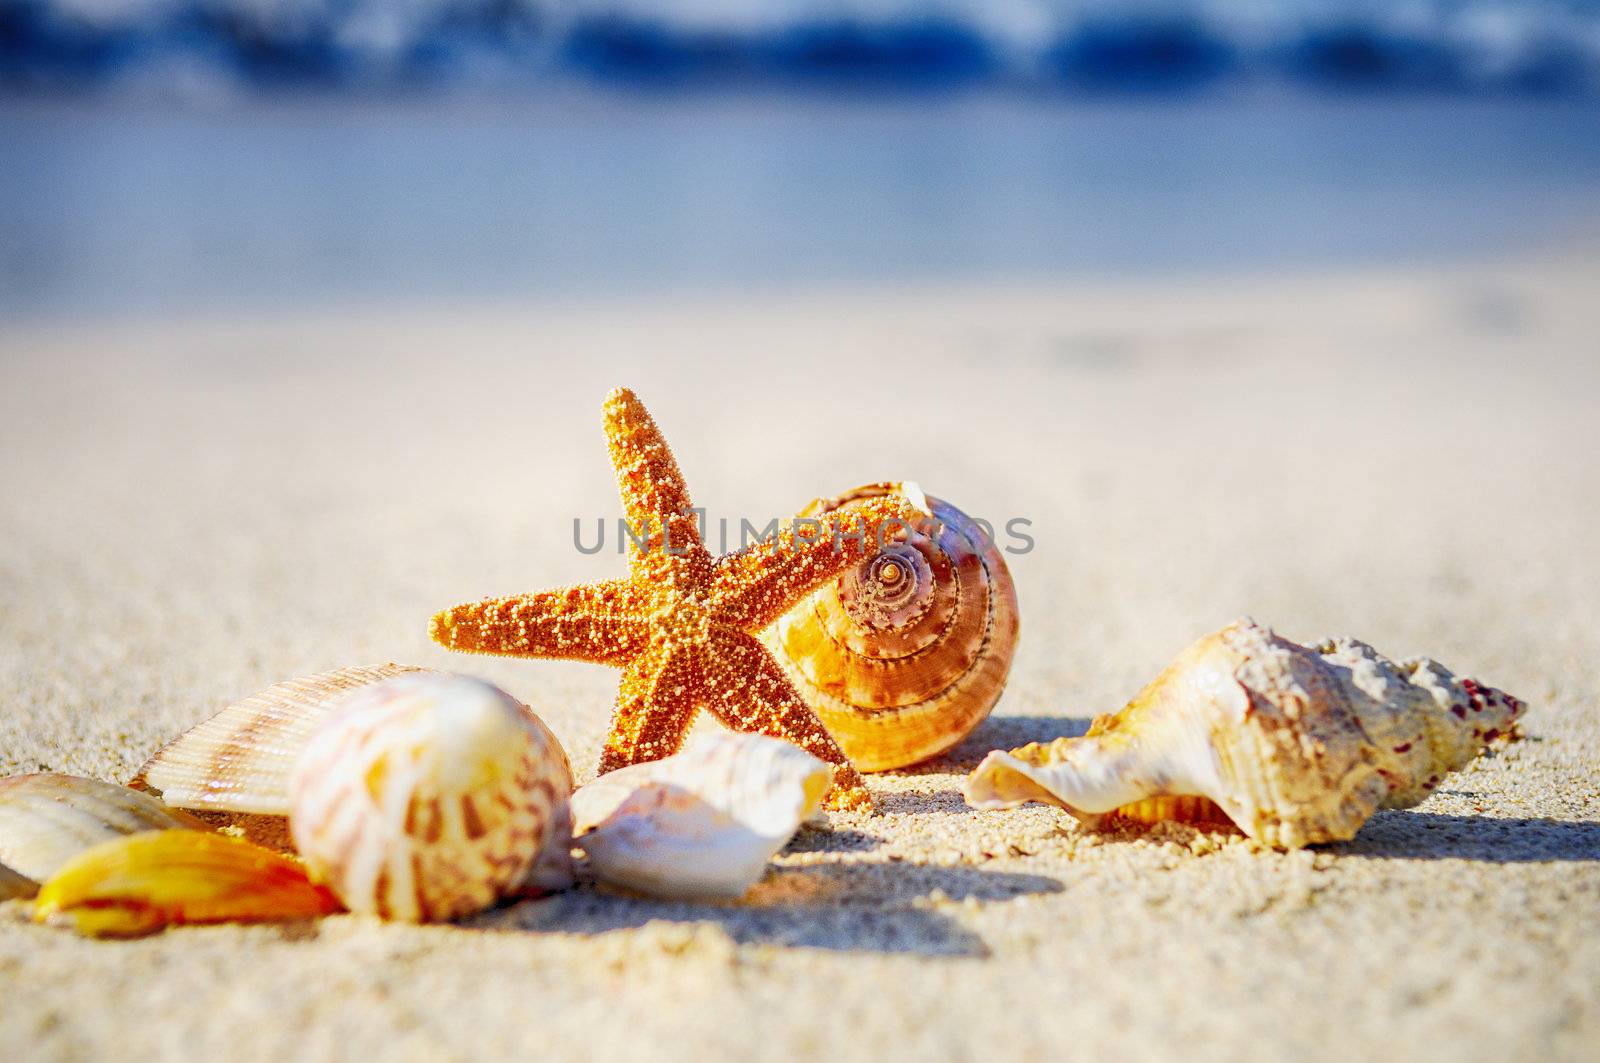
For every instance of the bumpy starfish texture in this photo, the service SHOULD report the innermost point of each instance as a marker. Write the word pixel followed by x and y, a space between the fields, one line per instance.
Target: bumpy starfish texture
pixel 681 626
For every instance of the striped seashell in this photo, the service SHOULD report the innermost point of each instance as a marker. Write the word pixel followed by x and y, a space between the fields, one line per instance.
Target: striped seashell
pixel 908 652
pixel 1292 744
pixel 429 796
pixel 239 759
pixel 703 823
pixel 46 820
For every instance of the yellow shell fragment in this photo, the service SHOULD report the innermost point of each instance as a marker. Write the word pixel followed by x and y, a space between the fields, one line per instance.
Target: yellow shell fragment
pixel 146 882
pixel 46 820
pixel 906 653
pixel 1293 744
pixel 239 759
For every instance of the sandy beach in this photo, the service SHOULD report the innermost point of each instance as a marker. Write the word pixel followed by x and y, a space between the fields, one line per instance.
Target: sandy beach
pixel 191 510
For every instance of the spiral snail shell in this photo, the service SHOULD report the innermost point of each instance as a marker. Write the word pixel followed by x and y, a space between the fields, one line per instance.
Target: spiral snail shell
pixel 905 654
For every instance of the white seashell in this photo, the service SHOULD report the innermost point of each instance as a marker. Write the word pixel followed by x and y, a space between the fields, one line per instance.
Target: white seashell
pixel 703 823
pixel 46 820
pixel 430 796
pixel 239 759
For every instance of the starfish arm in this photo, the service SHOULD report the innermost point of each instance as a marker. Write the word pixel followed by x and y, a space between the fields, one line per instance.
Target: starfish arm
pixel 599 622
pixel 660 693
pixel 749 692
pixel 756 585
pixel 655 498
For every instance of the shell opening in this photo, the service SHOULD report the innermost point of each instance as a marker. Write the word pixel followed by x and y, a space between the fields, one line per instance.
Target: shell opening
pixel 1191 809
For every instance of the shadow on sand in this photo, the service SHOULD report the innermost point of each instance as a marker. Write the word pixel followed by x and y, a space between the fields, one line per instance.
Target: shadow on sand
pixel 1000 732
pixel 853 907
pixel 1412 835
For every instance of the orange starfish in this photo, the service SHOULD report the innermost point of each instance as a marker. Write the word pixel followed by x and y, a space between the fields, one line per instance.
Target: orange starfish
pixel 681 625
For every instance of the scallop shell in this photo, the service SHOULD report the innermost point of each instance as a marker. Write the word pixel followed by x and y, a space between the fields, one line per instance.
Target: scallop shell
pixel 430 796
pixel 1293 744
pixel 239 759
pixel 46 820
pixel 702 823
pixel 905 654
pixel 144 882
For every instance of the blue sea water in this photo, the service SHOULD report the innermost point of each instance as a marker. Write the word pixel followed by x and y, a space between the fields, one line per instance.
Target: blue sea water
pixel 120 208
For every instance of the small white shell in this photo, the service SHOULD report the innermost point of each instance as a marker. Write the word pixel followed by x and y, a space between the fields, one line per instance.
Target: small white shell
pixel 239 759
pixel 700 824
pixel 430 796
pixel 46 820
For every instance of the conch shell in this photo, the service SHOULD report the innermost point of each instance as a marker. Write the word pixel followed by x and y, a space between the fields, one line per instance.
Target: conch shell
pixel 46 820
pixel 1293 744
pixel 905 654
pixel 702 823
pixel 418 795
pixel 428 797
pixel 145 882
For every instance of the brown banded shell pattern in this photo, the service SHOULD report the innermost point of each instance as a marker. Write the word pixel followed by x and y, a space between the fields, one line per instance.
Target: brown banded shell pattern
pixel 428 797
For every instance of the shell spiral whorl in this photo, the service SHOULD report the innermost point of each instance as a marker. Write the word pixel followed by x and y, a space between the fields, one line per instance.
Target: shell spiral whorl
pixel 905 654
pixel 1423 721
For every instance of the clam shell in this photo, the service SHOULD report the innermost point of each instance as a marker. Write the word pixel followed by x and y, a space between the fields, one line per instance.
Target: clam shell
pixel 703 823
pixel 430 796
pixel 1293 744
pixel 905 654
pixel 46 820
pixel 239 759
pixel 144 882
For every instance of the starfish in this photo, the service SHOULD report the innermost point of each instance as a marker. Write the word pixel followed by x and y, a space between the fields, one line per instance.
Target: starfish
pixel 681 625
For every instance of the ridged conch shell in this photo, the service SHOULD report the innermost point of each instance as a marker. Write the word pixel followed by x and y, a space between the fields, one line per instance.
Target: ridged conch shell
pixel 46 820
pixel 702 823
pixel 145 882
pixel 904 655
pixel 239 759
pixel 1294 745
pixel 428 797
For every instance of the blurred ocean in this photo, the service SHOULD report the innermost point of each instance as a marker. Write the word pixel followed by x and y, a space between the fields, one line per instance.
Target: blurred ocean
pixel 123 209
pixel 162 155
pixel 206 46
